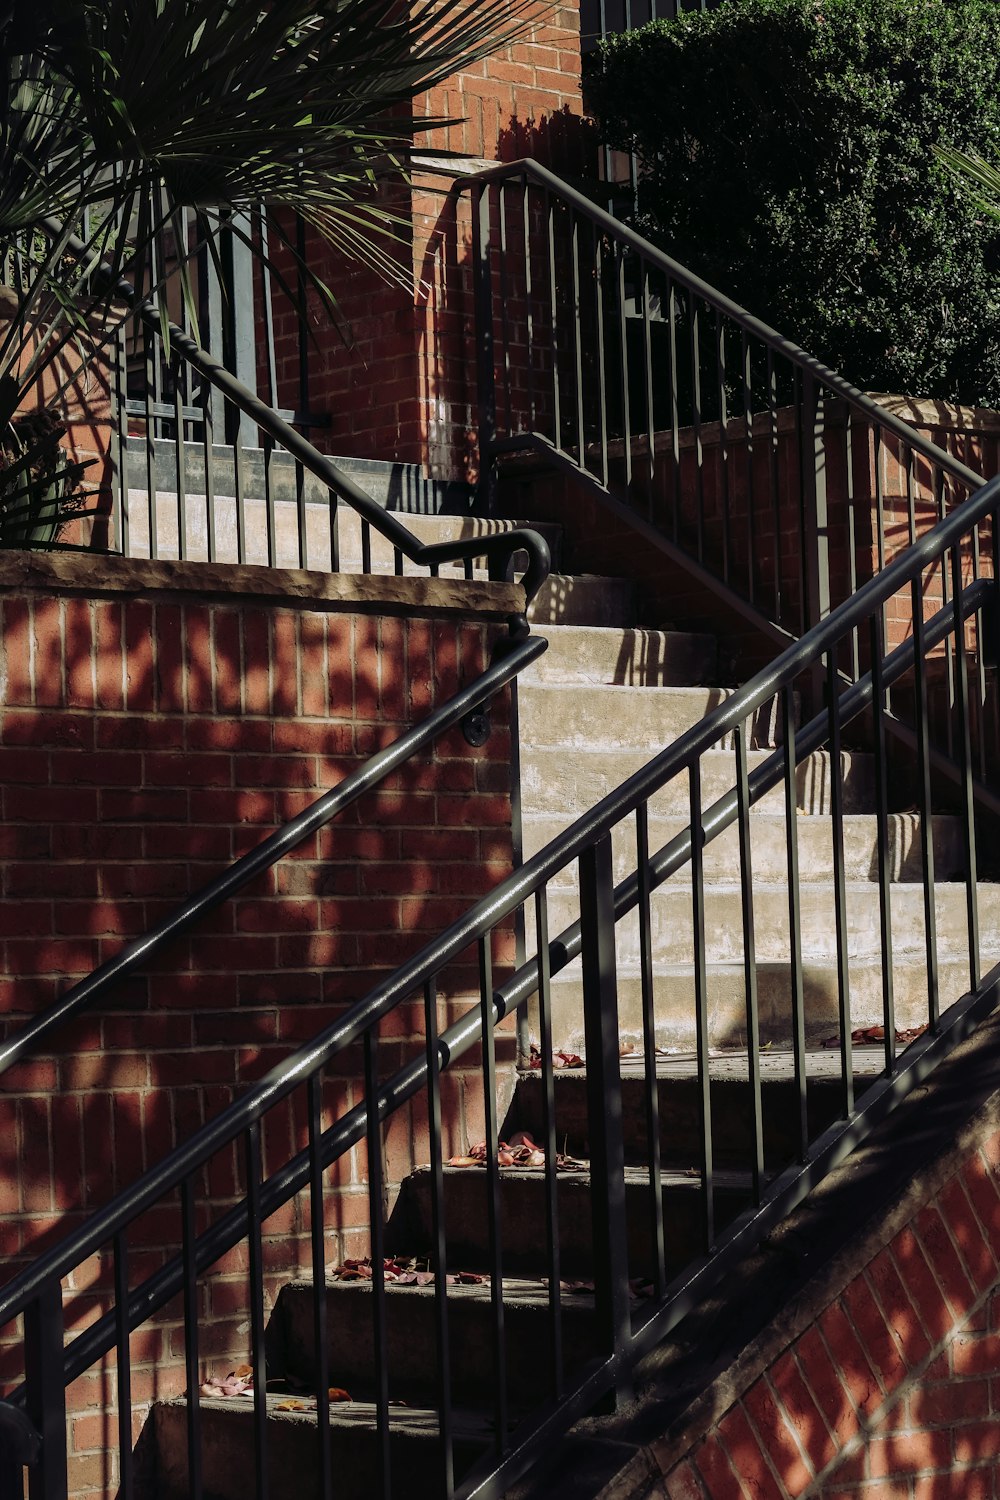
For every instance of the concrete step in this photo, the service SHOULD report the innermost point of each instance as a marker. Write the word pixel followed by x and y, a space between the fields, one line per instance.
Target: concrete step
pixel 814 838
pixel 554 782
pixel 412 1339
pixel 677 1091
pixel 523 1232
pixel 674 999
pixel 582 716
pixel 584 599
pixel 673 936
pixel 228 1464
pixel 638 657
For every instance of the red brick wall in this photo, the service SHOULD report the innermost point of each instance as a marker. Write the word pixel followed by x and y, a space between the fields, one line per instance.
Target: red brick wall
pixel 894 1391
pixel 148 735
pixel 402 386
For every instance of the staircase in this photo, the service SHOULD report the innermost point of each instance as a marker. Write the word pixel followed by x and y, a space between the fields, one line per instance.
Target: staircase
pixel 591 710
pixel 725 895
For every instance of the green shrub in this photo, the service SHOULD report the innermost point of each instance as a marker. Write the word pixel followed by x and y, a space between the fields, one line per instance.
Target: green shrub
pixel 787 158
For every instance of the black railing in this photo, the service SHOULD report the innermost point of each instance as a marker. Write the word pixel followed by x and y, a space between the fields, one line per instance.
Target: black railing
pixel 779 485
pixel 956 989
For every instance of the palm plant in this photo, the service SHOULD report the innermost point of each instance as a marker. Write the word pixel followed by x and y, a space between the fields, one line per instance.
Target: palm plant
pixel 117 117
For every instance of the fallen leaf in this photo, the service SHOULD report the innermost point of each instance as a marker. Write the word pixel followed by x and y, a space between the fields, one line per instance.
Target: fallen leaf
pixel 337 1393
pixel 292 1405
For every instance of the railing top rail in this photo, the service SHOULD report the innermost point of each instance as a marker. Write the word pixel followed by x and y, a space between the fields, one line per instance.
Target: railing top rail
pixel 619 230
pixel 495 907
pixel 498 547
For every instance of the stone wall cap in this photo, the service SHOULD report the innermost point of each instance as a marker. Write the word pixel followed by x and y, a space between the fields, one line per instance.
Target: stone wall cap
pixel 100 574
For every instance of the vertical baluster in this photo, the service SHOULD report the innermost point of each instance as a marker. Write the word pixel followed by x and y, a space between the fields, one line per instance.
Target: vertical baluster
pixel 623 360
pixel 979 657
pixel 180 369
pixel 302 321
pixel 45 1391
pixel 239 486
pixel 191 1359
pixel 882 840
pixel 149 348
pixel 602 369
pixel 924 806
pixel 549 1142
pixel 649 1051
pixel 749 961
pixel 120 513
pixel 317 1249
pixel 647 357
pixel 839 885
pixel 675 417
pixel 333 511
pixel 701 1006
pixel 795 920
pixel 852 541
pixel 270 516
pixel 486 392
pixel 252 1159
pixel 723 462
pixel 366 546
pixel 815 533
pixel 528 294
pixel 300 514
pixel 604 1104
pixel 581 433
pixel 505 305
pixel 123 1369
pixel 773 478
pixel 880 535
pixel 699 452
pixel 906 464
pixel 439 1247
pixel 492 1136
pixel 746 372
pixel 950 647
pixel 550 210
pixel 968 802
pixel 376 1219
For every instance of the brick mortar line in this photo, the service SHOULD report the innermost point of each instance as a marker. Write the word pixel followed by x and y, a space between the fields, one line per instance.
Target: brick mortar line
pixel 864 1433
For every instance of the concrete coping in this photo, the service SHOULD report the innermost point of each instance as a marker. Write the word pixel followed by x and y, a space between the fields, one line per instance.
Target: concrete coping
pixel 99 575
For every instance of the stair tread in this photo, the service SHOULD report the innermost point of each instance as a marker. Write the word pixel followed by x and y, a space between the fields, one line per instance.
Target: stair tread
pixel 468 1422
pixel 776 1064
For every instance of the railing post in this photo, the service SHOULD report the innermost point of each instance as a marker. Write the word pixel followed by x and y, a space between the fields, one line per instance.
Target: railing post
pixel 46 1392
pixel 604 1104
pixel 482 274
pixel 815 514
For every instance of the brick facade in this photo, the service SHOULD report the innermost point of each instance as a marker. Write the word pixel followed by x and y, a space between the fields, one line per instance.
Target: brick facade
pixel 152 730
pixel 401 386
pixel 894 1390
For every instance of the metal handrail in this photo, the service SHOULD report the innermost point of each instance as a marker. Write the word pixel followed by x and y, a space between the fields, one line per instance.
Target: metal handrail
pixel 619 230
pixel 516 656
pixel 471 928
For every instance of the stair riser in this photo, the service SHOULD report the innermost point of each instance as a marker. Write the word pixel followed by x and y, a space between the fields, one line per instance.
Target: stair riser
pixel 524 1235
pixel 612 718
pixel 675 1003
pixel 673 934
pixel 679 1114
pixel 643 658
pixel 584 600
pixel 228 1462
pixel 768 850
pixel 412 1340
pixel 566 783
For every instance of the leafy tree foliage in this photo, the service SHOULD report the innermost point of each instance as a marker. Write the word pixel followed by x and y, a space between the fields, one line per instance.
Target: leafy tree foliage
pixel 789 155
